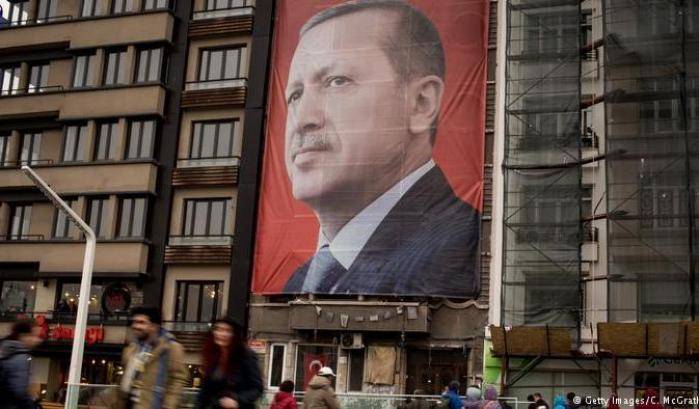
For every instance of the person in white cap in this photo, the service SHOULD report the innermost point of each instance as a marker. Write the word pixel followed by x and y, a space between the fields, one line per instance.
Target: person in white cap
pixel 320 394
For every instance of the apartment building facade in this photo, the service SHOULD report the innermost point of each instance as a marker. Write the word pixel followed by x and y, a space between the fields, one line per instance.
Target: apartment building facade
pixel 596 200
pixel 133 112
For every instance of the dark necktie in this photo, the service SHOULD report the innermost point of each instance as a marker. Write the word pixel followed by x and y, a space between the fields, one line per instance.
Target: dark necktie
pixel 323 272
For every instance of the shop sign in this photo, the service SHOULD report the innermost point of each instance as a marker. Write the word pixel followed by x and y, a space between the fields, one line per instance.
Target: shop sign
pixel 258 345
pixel 58 332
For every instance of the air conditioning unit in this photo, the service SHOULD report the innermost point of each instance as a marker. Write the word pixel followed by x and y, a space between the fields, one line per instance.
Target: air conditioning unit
pixel 351 341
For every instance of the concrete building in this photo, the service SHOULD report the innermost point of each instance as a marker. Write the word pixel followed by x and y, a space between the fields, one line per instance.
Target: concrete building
pixel 133 111
pixel 593 285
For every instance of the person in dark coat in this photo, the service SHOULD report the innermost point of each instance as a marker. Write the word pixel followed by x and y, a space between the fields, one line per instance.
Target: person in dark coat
pixel 232 377
pixel 451 396
pixel 15 365
pixel 284 399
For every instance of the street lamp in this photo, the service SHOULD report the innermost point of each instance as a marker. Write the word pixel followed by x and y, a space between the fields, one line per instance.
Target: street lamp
pixel 76 358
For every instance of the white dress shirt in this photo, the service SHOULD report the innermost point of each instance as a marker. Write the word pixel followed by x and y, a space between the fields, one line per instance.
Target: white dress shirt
pixel 352 237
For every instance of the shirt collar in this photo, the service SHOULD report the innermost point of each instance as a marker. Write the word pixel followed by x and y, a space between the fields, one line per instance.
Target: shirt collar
pixel 352 237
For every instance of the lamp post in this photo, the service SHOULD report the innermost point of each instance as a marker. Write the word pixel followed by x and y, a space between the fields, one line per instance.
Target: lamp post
pixel 76 357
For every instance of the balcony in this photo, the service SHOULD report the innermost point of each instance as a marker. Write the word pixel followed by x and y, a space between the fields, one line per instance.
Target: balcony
pixel 215 93
pixel 230 21
pixel 86 103
pixel 127 177
pixel 65 258
pixel 156 26
pixel 199 249
pixel 206 171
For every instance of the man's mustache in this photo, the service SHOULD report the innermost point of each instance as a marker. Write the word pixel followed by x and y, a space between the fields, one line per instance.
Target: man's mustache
pixel 304 142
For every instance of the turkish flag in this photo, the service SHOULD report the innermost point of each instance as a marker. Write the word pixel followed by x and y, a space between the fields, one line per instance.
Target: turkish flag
pixel 311 365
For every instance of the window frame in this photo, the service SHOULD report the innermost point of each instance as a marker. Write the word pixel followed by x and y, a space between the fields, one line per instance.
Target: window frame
pixel 149 51
pixel 120 76
pixel 186 304
pixel 67 227
pixel 200 64
pixel 146 7
pixel 123 9
pixel 85 81
pixel 112 141
pixel 14 77
pixel 271 363
pixel 230 6
pixel 44 68
pixel 32 145
pixel 234 123
pixel 2 287
pixel 209 202
pixel 77 157
pixel 129 139
pixel 4 142
pixel 131 223
pixel 19 7
pixel 50 8
pixel 24 223
pixel 95 8
pixel 102 212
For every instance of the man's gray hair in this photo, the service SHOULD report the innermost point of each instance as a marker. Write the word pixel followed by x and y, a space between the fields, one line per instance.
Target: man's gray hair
pixel 414 48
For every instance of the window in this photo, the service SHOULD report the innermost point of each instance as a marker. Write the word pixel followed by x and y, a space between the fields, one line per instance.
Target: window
pixel 205 217
pixel 74 144
pixel 115 68
pixel 551 33
pixel 150 63
pixel 17 296
pixel 9 80
pixel 224 4
pixel 663 201
pixel 198 301
pixel 46 10
pixel 551 292
pixel 309 359
pixel 219 64
pixel 141 139
pixel 155 4
pixel 69 296
pixel 62 226
pixel 277 362
pixel 20 214
pixel 356 370
pixel 106 145
pixel 31 147
pixel 122 6
pixel 81 71
pixel 38 78
pixel 90 8
pixel 4 142
pixel 17 13
pixel 132 215
pixel 212 139
pixel 97 216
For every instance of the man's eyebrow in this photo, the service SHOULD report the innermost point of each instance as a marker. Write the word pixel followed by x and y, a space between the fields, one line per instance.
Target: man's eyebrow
pixel 317 77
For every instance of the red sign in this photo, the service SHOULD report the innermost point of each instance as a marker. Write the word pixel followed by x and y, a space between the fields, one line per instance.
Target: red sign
pixel 57 332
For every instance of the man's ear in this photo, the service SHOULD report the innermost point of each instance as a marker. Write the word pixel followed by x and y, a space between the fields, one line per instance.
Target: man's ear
pixel 425 99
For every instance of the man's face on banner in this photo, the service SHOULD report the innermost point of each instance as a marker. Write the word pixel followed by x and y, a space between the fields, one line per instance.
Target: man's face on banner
pixel 346 121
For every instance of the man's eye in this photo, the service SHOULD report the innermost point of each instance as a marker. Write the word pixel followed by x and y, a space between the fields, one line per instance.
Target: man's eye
pixel 337 81
pixel 293 97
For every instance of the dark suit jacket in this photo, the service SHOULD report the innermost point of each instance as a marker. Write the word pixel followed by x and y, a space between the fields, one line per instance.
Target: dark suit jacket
pixel 426 246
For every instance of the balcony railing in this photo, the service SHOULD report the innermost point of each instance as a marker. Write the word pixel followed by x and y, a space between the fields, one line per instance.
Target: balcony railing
pixel 201 240
pixel 187 326
pixel 23 237
pixel 66 317
pixel 34 21
pixel 31 90
pixel 242 8
pixel 216 84
pixel 208 161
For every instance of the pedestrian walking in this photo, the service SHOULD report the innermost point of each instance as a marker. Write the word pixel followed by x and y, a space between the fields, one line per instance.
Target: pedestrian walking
pixel 155 373
pixel 450 398
pixel 320 394
pixel 539 402
pixel 532 402
pixel 15 365
pixel 559 402
pixel 284 399
pixel 490 399
pixel 231 378
pixel 473 398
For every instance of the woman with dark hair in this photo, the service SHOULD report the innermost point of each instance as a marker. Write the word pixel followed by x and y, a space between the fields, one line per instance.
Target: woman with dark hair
pixel 231 373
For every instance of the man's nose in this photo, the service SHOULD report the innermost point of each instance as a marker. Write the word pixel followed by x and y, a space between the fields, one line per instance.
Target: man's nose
pixel 310 114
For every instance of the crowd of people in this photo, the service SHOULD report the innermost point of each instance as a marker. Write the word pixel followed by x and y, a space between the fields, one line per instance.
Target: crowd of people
pixel 155 375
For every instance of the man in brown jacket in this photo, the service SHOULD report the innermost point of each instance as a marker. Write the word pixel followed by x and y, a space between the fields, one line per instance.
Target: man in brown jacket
pixel 320 394
pixel 154 373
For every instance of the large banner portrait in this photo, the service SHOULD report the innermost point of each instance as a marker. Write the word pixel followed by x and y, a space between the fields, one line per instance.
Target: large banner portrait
pixel 372 179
